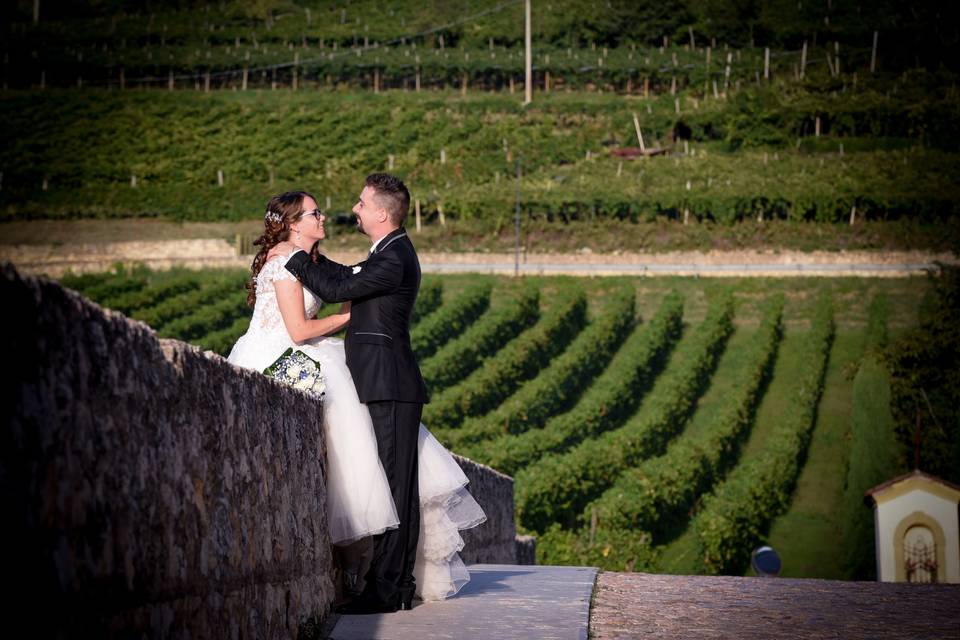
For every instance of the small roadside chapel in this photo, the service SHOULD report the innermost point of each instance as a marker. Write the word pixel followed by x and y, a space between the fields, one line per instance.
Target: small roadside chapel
pixel 917 530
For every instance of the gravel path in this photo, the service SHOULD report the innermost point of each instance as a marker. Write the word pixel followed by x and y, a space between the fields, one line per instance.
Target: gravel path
pixel 55 260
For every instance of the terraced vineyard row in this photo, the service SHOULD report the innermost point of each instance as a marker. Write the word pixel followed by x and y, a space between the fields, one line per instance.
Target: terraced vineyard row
pixel 620 406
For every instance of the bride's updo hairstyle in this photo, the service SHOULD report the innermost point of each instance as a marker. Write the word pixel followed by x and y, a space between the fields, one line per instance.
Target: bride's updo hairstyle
pixel 282 211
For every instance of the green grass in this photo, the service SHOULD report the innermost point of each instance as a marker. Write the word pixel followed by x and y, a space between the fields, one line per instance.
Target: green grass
pixel 808 535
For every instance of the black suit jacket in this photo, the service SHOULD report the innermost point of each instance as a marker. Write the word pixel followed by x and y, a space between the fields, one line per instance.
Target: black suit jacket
pixel 382 293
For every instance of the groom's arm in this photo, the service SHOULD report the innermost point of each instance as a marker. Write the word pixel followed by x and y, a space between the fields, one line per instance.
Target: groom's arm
pixel 335 282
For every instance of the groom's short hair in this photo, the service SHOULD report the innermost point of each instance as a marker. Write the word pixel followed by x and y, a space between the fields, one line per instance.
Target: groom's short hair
pixel 391 194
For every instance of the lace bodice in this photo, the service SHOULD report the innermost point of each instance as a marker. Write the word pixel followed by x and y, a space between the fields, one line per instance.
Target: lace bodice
pixel 266 313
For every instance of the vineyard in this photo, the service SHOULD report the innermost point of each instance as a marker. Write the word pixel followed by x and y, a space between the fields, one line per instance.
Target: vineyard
pixel 830 116
pixel 666 425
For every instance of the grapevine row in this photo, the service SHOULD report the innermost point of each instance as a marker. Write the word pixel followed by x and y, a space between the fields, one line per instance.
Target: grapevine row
pixel 558 487
pixel 734 517
pixel 212 289
pixel 660 492
pixel 451 319
pixel 560 384
pixel 519 360
pixel 611 399
pixel 455 360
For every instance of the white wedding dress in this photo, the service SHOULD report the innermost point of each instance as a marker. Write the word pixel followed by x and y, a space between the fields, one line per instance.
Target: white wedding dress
pixel 359 502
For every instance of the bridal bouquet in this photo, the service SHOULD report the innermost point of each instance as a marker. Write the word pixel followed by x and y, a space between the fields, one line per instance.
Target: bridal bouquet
pixel 299 370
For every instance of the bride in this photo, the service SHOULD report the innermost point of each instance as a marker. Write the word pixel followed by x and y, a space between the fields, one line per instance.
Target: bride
pixel 359 502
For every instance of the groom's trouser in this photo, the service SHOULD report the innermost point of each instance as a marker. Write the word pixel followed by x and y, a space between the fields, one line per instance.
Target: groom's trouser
pixel 397 426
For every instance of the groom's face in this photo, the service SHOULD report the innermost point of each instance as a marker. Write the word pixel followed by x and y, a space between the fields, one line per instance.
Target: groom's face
pixel 370 215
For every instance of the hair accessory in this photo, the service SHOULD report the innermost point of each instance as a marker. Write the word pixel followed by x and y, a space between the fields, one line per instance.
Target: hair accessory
pixel 273 216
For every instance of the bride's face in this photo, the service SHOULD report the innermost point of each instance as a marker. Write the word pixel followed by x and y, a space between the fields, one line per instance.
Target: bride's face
pixel 310 223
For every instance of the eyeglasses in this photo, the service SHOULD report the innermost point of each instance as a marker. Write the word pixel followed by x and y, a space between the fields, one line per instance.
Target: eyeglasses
pixel 316 213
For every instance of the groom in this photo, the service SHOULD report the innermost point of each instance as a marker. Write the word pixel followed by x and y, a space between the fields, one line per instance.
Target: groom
pixel 382 290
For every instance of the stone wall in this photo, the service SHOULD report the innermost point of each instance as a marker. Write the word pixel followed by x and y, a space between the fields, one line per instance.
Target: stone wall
pixel 150 487
pixel 494 540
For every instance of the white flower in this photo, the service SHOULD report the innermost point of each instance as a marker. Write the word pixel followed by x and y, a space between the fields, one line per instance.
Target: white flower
pixel 294 372
pixel 304 384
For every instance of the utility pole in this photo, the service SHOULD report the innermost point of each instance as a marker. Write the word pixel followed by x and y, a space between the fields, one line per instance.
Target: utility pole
pixel 528 84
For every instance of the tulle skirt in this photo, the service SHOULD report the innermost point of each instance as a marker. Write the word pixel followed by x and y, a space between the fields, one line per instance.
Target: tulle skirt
pixel 359 502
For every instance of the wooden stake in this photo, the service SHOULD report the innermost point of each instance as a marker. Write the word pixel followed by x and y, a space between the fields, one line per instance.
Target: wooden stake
pixel 853 214
pixel 220 177
pixel 170 82
pixel 296 63
pixel 123 82
pixel 206 81
pixel 636 125
pixel 443 220
pixel 390 162
pixel 803 59
pixel 463 83
pixel 246 73
pixel 873 54
pixel 646 88
pixel 417 210
pixel 816 126
pixel 766 63
pixel 133 180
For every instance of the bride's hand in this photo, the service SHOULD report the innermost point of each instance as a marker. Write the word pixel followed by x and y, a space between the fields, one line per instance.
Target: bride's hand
pixel 284 248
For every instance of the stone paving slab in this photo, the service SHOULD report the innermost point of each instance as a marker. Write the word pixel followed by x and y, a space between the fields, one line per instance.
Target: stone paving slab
pixel 500 602
pixel 639 605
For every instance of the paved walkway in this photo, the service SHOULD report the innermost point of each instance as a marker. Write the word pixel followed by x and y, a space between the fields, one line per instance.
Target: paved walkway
pixel 639 605
pixel 501 602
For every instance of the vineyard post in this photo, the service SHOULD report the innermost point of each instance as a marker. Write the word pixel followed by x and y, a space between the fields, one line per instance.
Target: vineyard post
pixel 43 79
pixel 170 81
pixel 726 74
pixel 593 524
pixel 417 85
pixel 816 126
pixel 443 219
pixel 646 87
pixel 417 210
pixel 803 59
pixel 220 177
pixel 246 72
pixel 516 234
pixel 766 63
pixel 206 81
pixel 270 177
pixel 873 53
pixel 296 63
pixel 528 83
pixel 636 125
pixel 390 162
pixel 836 53
pixel 123 82
pixel 133 180
pixel 853 214
pixel 463 83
